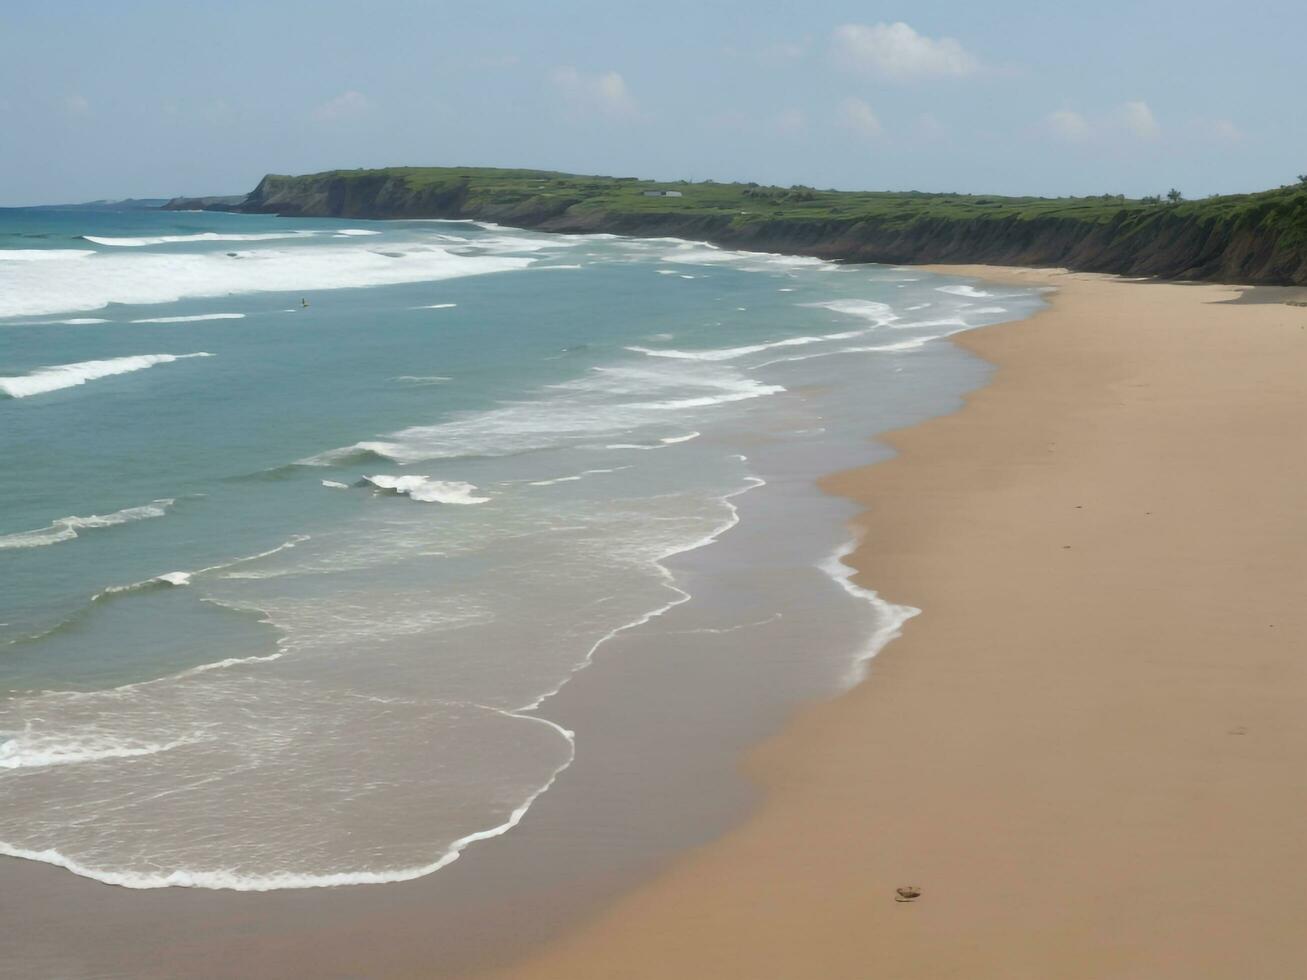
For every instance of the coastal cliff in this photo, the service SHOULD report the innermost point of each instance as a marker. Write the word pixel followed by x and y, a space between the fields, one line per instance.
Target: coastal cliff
pixel 1247 238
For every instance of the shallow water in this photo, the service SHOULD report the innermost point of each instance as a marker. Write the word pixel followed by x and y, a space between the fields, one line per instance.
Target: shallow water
pixel 291 613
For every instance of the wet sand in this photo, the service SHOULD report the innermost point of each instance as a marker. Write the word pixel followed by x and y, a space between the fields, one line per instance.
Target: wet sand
pixel 1087 752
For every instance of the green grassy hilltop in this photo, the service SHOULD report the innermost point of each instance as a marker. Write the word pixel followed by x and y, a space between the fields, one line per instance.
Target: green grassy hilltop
pixel 1239 238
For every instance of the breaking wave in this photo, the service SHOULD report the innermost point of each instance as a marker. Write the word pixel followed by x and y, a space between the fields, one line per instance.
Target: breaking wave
pixel 97 279
pixel 204 236
pixel 427 490
pixel 67 528
pixel 971 291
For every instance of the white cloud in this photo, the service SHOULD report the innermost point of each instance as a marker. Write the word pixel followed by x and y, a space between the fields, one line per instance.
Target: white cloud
pixel 347 105
pixel 1068 125
pixel 76 104
pixel 1138 119
pixel 1130 119
pixel 858 116
pixel 604 93
pixel 897 51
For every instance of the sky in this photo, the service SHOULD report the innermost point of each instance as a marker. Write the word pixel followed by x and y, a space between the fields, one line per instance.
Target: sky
pixel 156 98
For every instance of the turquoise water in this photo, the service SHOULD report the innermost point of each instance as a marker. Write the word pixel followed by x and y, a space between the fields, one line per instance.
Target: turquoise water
pixel 303 521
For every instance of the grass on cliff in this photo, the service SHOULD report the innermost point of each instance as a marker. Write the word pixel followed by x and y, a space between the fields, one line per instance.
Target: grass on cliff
pixel 1284 209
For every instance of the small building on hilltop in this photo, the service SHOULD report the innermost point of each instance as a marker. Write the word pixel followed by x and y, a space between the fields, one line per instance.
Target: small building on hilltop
pixel 663 194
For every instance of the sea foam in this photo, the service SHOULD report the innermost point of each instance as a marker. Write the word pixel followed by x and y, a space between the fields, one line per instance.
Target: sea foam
pixel 608 401
pixel 97 279
pixel 44 254
pixel 890 616
pixel 191 319
pixel 964 290
pixel 66 528
pixel 57 376
pixel 206 236
pixel 427 490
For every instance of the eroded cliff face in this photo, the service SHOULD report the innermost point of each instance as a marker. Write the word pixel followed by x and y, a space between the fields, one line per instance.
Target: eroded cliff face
pixel 365 196
pixel 1159 243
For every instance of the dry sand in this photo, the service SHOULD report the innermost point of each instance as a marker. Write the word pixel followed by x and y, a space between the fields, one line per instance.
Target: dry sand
pixel 1090 750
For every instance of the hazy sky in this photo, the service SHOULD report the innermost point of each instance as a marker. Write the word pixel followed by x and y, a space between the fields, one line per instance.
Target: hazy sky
pixel 154 98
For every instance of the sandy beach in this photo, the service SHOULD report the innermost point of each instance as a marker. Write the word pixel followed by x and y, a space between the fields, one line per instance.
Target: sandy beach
pixel 1087 752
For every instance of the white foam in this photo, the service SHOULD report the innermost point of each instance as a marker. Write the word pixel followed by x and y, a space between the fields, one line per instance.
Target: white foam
pixel 177 579
pixel 423 379
pixel 437 306
pixel 191 319
pixel 731 353
pixel 166 580
pixel 747 389
pixel 913 343
pixel 206 236
pixel 866 309
pixel 890 617
pixel 427 490
pixel 233 881
pixel 25 751
pixel 44 254
pixel 57 376
pixel 971 291
pixel 672 440
pixel 79 321
pixel 702 253
pixel 226 828
pixel 38 288
pixel 608 401
pixel 517 243
pixel 578 476
pixel 66 528
pixel 916 343
pixel 355 232
pixel 332 484
pixel 293 541
pixel 668 582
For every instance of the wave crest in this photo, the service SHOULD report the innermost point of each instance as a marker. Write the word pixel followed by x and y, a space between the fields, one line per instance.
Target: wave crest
pixel 66 528
pixel 57 376
pixel 427 490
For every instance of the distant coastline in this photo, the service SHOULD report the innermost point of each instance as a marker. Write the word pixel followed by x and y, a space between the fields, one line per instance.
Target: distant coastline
pixel 1248 238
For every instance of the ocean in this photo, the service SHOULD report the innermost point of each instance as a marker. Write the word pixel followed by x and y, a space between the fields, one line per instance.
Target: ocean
pixel 303 522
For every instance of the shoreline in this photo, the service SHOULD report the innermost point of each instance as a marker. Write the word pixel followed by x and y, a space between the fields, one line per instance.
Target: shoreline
pixel 784 816
pixel 1108 548
pixel 658 775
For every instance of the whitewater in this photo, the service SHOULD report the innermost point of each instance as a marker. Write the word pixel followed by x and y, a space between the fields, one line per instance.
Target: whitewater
pixel 308 522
